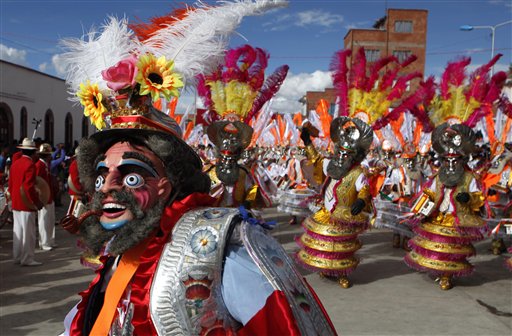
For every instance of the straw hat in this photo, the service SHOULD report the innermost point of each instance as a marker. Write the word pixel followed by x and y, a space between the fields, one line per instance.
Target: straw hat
pixel 27 144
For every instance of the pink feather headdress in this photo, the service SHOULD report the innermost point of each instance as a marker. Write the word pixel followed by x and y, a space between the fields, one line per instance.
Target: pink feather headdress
pixel 376 98
pixel 238 88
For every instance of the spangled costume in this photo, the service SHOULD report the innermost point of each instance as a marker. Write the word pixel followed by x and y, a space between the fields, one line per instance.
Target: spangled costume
pixel 448 209
pixel 235 93
pixel 329 242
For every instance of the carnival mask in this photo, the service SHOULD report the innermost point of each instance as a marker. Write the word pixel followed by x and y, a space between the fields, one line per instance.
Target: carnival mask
pixel 341 163
pixel 227 169
pixel 131 192
pixel 451 171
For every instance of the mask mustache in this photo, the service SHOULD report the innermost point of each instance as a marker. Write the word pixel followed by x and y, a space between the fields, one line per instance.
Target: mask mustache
pixel 122 197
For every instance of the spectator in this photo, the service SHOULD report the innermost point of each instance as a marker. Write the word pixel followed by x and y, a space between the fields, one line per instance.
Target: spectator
pixel 25 203
pixel 46 216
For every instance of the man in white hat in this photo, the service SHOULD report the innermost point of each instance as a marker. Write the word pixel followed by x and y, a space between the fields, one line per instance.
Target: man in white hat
pixel 46 215
pixel 25 203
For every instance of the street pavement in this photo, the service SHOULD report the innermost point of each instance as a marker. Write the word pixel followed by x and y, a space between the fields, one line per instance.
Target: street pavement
pixel 387 297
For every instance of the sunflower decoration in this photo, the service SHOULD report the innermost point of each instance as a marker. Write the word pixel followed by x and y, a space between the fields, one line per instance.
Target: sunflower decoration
pixel 92 100
pixel 156 77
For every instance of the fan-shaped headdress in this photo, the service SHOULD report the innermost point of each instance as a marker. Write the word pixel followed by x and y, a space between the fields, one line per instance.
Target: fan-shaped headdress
pixel 236 92
pixel 460 100
pixel 374 98
pixel 238 88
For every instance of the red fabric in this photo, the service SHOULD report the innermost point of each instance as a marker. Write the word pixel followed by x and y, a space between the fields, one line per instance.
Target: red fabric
pixel 73 175
pixel 22 173
pixel 16 156
pixel 275 318
pixel 43 172
pixel 143 278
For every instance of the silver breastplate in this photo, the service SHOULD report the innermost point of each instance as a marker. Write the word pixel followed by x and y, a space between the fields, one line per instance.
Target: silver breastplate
pixel 186 295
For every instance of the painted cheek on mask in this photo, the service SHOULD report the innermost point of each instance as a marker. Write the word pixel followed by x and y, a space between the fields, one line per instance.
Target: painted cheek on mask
pixel 147 194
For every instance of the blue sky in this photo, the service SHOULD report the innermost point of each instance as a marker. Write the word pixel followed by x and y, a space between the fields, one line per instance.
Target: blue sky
pixel 304 35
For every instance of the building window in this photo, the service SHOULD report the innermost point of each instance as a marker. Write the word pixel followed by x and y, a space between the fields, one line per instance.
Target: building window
pixel 6 124
pixel 48 127
pixel 85 127
pixel 23 123
pixel 402 55
pixel 403 26
pixel 372 55
pixel 407 85
pixel 68 131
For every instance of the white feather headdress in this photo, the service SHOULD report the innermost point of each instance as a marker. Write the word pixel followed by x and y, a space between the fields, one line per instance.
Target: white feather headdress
pixel 187 45
pixel 197 43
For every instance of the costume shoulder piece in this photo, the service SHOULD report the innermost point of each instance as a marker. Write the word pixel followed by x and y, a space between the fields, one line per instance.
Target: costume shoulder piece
pixel 186 291
pixel 279 269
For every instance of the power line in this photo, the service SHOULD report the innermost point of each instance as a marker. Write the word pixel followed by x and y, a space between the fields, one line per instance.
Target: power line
pixel 25 46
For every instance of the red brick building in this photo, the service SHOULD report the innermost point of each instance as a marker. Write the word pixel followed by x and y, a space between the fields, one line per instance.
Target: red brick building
pixel 401 32
pixel 313 97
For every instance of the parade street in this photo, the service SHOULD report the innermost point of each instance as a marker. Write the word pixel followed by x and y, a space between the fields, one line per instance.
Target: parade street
pixel 387 298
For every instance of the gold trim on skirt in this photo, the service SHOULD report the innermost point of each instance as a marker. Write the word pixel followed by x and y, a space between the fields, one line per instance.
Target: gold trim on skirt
pixel 443 247
pixel 331 230
pixel 330 264
pixel 439 265
pixel 330 246
pixel 445 231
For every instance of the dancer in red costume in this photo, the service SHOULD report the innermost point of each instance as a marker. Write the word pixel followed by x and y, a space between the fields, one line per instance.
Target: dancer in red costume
pixel 172 263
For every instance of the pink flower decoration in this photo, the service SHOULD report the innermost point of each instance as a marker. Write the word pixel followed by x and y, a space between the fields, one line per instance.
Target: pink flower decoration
pixel 122 75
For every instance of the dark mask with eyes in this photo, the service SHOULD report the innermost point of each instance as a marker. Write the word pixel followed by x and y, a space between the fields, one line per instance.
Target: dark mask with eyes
pixel 454 144
pixel 230 138
pixel 451 172
pixel 352 139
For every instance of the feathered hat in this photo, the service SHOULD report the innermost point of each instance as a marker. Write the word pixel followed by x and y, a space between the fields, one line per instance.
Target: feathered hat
pixel 235 94
pixel 455 106
pixel 119 71
pixel 373 95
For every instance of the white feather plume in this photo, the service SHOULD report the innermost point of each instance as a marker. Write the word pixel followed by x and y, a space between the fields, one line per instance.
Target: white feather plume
pixel 98 50
pixel 197 42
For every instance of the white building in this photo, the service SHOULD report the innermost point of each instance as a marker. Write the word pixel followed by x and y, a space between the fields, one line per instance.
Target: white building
pixel 27 95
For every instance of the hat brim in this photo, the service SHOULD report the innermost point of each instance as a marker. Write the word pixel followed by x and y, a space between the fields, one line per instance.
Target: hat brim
pixel 26 147
pixel 111 134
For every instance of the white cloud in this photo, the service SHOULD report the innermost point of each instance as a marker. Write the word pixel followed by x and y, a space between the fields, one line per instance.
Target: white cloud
pixel 295 87
pixel 501 2
pixel 315 17
pixel 319 18
pixel 13 55
pixel 43 67
pixel 57 65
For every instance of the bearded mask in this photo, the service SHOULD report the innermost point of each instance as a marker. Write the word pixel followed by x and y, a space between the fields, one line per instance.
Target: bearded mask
pixel 451 171
pixel 352 138
pixel 131 191
pixel 454 144
pixel 230 138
